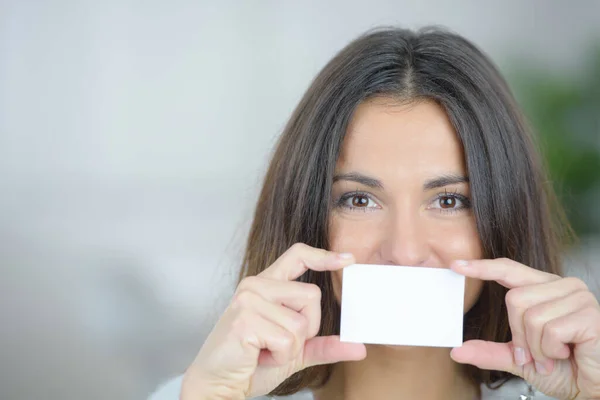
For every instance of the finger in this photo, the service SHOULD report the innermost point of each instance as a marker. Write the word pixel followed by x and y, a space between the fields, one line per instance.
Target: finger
pixel 516 306
pixel 488 355
pixel 537 317
pixel 520 299
pixel 304 298
pixel 323 350
pixel 299 258
pixel 506 272
pixel 260 334
pixel 329 349
pixel 581 328
pixel 293 322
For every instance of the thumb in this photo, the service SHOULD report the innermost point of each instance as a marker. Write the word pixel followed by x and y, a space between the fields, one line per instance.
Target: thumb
pixel 328 349
pixel 487 355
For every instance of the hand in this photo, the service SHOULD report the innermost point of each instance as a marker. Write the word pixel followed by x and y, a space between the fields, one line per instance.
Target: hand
pixel 268 332
pixel 555 325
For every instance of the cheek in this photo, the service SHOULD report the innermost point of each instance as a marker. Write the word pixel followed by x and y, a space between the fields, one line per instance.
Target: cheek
pixel 358 236
pixel 459 242
pixel 341 240
pixel 353 236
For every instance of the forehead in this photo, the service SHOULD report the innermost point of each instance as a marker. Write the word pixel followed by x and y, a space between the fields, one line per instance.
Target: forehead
pixel 401 138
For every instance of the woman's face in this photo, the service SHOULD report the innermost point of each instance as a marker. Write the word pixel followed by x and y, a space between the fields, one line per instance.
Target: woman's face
pixel 400 191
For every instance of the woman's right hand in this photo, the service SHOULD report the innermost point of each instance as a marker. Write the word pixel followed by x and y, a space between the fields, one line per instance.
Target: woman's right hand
pixel 268 332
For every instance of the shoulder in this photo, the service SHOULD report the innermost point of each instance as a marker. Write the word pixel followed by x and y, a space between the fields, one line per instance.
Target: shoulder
pixel 514 389
pixel 511 390
pixel 171 389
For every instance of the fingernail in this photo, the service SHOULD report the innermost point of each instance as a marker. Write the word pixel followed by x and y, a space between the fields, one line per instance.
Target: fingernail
pixel 345 256
pixel 519 356
pixel 541 368
pixel 461 263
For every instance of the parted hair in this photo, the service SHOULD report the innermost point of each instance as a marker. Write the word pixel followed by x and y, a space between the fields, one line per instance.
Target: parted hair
pixel 516 213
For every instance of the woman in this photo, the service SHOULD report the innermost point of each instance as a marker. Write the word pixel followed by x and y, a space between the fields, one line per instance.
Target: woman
pixel 407 149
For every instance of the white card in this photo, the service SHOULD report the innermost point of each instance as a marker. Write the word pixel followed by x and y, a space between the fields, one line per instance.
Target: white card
pixel 413 306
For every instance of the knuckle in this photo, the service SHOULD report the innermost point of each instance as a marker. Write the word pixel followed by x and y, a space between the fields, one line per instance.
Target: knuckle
pixel 313 292
pixel 533 317
pixel 514 298
pixel 595 320
pixel 552 332
pixel 586 297
pixel 248 283
pixel 551 328
pixel 299 325
pixel 505 260
pixel 298 247
pixel 294 252
pixel 576 282
pixel 286 340
pixel 593 310
pixel 242 299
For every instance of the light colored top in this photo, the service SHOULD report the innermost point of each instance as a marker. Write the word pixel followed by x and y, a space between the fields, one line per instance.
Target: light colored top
pixel 515 389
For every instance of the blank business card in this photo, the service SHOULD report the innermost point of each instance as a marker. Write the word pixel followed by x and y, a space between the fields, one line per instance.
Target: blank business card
pixel 397 305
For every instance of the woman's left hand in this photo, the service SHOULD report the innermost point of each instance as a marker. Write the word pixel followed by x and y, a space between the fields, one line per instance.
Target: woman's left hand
pixel 555 324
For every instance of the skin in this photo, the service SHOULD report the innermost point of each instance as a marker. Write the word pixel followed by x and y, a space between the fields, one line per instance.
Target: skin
pixel 268 332
pixel 402 221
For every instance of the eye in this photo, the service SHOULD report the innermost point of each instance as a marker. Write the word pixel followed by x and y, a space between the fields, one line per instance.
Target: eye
pixel 360 201
pixel 357 201
pixel 450 202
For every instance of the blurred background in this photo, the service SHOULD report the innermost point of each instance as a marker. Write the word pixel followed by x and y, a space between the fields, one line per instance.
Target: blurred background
pixel 134 136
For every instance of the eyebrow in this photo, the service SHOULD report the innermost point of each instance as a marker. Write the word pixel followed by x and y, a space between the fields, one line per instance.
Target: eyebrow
pixel 434 183
pixel 444 180
pixel 359 178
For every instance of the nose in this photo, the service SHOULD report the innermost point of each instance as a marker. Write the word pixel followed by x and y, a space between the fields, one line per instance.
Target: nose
pixel 404 241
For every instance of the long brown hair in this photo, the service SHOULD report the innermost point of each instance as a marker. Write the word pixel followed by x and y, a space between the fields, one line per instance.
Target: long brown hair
pixel 515 210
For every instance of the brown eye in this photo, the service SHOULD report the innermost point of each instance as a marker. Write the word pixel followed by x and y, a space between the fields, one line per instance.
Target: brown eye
pixel 360 201
pixel 447 202
pixel 357 201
